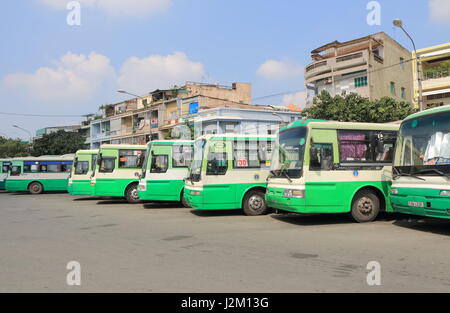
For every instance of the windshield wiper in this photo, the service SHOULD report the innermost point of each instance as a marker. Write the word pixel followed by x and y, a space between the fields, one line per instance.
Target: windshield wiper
pixel 286 175
pixel 433 170
pixel 398 173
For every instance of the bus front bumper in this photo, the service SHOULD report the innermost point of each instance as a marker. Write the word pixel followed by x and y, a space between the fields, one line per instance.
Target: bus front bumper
pixel 275 199
pixel 194 198
pixel 421 202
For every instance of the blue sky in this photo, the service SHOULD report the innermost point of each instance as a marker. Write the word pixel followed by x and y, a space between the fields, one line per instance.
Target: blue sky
pixel 49 67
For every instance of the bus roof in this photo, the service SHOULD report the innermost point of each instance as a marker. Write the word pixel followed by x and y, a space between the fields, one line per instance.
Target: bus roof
pixel 95 151
pixel 171 142
pixel 47 158
pixel 341 125
pixel 236 137
pixel 445 108
pixel 117 147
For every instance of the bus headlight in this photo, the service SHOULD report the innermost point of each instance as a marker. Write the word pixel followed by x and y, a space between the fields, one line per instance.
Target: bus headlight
pixel 142 187
pixel 195 193
pixel 394 191
pixel 294 193
pixel 445 193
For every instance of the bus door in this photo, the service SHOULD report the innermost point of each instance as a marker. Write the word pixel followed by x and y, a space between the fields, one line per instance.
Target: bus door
pixel 323 190
pixel 219 179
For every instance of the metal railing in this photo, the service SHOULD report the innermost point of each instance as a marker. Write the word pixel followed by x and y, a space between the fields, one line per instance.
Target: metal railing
pixel 436 74
pixel 316 65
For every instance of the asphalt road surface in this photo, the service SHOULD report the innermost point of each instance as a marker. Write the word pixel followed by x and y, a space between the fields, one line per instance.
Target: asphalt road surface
pixel 166 248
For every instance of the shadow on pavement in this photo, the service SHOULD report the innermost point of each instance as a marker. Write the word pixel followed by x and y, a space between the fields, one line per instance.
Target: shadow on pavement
pixel 26 193
pixel 113 201
pixel 216 213
pixel 326 219
pixel 313 220
pixel 162 205
pixel 428 225
pixel 87 199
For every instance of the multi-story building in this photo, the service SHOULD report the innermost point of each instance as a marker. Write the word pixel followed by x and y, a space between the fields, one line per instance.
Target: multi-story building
pixel 155 115
pixel 238 120
pixel 435 63
pixel 374 66
pixel 54 129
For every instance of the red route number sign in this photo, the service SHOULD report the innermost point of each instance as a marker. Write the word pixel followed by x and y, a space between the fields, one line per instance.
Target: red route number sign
pixel 242 163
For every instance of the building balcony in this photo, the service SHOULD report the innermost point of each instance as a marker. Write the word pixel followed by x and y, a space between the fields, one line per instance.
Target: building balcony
pixel 101 136
pixel 436 79
pixel 336 64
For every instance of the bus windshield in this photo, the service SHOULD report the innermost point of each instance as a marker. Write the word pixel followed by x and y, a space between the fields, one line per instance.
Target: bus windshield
pixel 424 146
pixel 145 162
pixel 196 165
pixel 289 153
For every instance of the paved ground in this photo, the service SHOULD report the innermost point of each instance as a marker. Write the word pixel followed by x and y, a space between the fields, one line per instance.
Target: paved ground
pixel 164 248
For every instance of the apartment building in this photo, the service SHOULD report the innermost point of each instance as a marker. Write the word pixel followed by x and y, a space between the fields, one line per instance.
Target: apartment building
pixel 156 115
pixel 49 130
pixel 374 66
pixel 435 69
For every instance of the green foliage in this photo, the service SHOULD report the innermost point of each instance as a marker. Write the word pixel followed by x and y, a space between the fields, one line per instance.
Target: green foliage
pixel 11 148
pixel 58 143
pixel 354 108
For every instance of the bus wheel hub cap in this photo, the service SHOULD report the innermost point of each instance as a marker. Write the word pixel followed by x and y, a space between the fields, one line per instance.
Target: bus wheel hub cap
pixel 134 194
pixel 365 205
pixel 255 203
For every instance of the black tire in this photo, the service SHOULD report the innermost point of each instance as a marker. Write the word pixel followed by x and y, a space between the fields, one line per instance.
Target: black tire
pixel 131 194
pixel 35 188
pixel 183 200
pixel 365 206
pixel 255 203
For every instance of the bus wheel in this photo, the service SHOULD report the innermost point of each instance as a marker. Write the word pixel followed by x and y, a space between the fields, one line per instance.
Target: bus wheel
pixel 365 207
pixel 183 201
pixel 35 188
pixel 132 194
pixel 255 203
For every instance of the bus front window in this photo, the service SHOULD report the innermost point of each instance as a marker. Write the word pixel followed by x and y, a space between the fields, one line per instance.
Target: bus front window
pixel 196 165
pixel 289 153
pixel 424 146
pixel 145 162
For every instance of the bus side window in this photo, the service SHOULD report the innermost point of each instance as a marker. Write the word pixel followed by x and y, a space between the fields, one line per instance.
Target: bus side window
pixel 321 157
pixel 160 163
pixel 15 170
pixel 217 164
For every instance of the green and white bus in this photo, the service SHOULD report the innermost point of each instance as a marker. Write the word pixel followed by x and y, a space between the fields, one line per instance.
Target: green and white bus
pixel 80 176
pixel 229 172
pixel 332 167
pixel 165 167
pixel 117 171
pixel 421 174
pixel 39 174
pixel 4 169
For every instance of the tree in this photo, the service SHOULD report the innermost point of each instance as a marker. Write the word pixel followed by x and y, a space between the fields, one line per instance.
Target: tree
pixel 11 148
pixel 58 143
pixel 354 108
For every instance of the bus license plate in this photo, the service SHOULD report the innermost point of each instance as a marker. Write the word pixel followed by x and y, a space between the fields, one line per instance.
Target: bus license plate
pixel 415 204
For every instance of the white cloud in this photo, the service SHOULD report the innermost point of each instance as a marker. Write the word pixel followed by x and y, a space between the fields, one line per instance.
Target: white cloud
pixel 117 7
pixel 440 10
pixel 275 69
pixel 298 99
pixel 74 77
pixel 157 71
